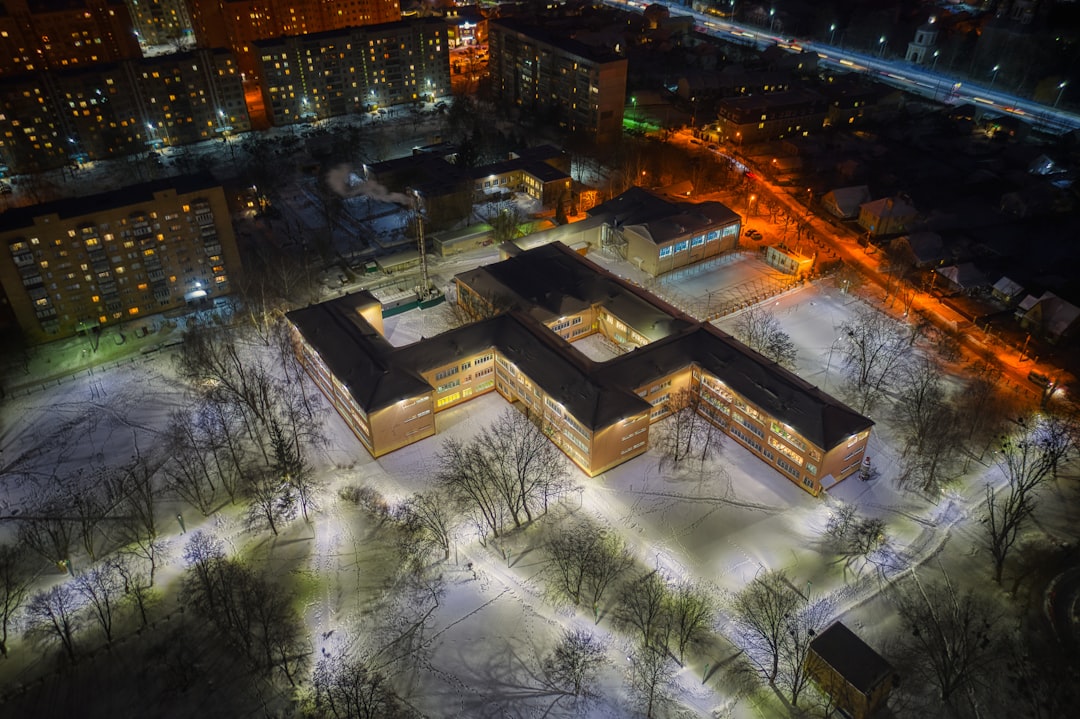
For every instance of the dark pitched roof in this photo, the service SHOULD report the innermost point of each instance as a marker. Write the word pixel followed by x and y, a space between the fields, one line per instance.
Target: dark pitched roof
pixel 661 217
pixel 851 657
pixel 552 281
pixel 131 195
pixel 356 353
pixel 545 283
pixel 819 417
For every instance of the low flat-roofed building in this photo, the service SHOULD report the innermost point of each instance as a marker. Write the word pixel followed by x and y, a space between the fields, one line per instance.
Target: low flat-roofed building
pixel 857 678
pixel 598 413
pixel 789 261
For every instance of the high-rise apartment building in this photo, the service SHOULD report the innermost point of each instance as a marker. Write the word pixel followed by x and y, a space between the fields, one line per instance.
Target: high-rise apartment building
pixel 579 87
pixel 37 35
pixel 238 24
pixel 333 73
pixel 112 109
pixel 73 265
pixel 160 22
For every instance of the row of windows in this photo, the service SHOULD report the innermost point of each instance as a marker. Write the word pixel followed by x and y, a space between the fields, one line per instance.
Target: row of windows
pixel 790 469
pixel 746 423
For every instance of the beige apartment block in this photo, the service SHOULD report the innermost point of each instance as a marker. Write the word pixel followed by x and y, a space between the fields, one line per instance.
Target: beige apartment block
pixel 73 265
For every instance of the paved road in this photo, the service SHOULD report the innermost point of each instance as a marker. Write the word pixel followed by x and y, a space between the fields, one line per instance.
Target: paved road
pixel 916 79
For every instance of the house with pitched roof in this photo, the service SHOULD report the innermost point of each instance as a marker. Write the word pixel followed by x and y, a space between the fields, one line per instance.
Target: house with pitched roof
pixel 887 216
pixel 844 202
pixel 850 672
pixel 1049 315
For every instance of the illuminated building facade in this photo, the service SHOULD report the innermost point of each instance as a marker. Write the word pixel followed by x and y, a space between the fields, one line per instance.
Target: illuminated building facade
pixel 112 109
pixel 39 35
pixel 160 22
pixel 659 234
pixel 580 87
pixel 759 118
pixel 333 73
pixel 85 262
pixel 240 24
pixel 598 413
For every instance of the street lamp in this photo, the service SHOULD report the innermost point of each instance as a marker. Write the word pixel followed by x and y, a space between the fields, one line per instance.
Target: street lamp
pixel 994 76
pixel 934 66
pixel 881 46
pixel 1061 89
pixel 832 33
pixel 772 18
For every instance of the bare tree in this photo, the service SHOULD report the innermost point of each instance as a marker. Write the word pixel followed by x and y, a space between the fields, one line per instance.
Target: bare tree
pixel 761 612
pixel 190 470
pixel 527 469
pixel 759 330
pixel 585 560
pixel 1026 459
pixel 47 528
pixel 691 610
pixel 611 560
pixel 99 588
pixel 982 408
pixel 271 499
pixel 644 607
pixel 929 424
pixel 204 555
pixel 649 678
pixel 16 577
pixel 54 616
pixel 801 628
pixel 464 476
pixel 430 517
pixel 133 493
pixel 575 661
pixel 87 505
pixel 508 471
pixel 954 637
pixel 135 585
pixel 687 432
pixel 873 347
pixel 1058 433
pixel 347 688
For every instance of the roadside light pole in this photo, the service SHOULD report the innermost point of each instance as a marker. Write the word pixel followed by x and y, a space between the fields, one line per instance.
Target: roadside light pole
pixel 881 47
pixel 993 77
pixel 772 19
pixel 933 68
pixel 832 33
pixel 1061 89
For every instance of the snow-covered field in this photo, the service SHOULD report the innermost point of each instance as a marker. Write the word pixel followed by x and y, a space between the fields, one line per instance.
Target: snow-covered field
pixel 722 524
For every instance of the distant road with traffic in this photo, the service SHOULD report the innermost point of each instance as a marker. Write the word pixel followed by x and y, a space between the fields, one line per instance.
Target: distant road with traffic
pixel 916 79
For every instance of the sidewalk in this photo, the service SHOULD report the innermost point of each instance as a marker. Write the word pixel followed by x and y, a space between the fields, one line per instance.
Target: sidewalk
pixel 66 359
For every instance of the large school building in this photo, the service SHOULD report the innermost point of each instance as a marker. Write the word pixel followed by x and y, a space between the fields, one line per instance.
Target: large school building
pixel 598 413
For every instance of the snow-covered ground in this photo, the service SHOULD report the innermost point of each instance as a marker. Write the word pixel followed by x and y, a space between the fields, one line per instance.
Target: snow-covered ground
pixel 721 523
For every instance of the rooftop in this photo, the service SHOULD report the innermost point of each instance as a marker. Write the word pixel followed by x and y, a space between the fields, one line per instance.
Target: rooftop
pixel 851 657
pixel 72 207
